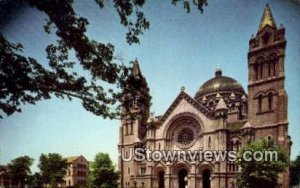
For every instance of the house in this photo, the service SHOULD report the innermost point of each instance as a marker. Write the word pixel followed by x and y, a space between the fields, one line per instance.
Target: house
pixel 77 172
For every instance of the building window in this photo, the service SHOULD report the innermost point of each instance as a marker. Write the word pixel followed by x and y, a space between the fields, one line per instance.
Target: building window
pixel 266 38
pixel 131 128
pixel 261 67
pixel 269 69
pixel 231 145
pixel 256 71
pixel 185 136
pixel 270 101
pixel 274 69
pixel 269 138
pixel 126 128
pixel 143 170
pixel 209 142
pixel 259 103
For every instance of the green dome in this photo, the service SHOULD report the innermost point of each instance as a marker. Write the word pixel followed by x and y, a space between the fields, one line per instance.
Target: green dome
pixel 219 84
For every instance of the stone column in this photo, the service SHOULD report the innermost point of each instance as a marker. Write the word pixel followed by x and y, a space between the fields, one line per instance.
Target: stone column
pixel 214 181
pixel 192 176
pixel 168 175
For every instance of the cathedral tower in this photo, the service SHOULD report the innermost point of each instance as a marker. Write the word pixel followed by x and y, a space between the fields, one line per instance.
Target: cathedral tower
pixel 134 116
pixel 267 97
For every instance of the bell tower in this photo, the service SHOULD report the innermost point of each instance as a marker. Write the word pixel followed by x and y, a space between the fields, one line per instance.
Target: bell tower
pixel 267 95
pixel 134 115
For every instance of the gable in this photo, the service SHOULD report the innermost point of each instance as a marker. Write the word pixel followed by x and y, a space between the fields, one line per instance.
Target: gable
pixel 184 106
pixel 192 103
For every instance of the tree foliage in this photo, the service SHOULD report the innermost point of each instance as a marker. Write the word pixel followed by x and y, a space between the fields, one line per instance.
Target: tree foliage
pixel 19 170
pixel 103 174
pixel 52 169
pixel 295 171
pixel 25 80
pixel 35 180
pixel 264 173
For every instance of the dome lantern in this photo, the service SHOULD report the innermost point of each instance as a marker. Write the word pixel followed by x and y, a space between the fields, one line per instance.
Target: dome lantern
pixel 218 72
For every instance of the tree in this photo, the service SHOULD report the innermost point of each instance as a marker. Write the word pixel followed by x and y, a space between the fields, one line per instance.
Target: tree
pixel 19 170
pixel 35 181
pixel 295 172
pixel 53 169
pixel 24 80
pixel 103 172
pixel 263 173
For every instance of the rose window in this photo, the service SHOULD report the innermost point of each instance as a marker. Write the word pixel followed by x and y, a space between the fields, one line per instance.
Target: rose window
pixel 185 136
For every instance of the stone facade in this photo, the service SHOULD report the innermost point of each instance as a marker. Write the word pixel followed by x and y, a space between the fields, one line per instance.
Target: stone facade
pixel 221 116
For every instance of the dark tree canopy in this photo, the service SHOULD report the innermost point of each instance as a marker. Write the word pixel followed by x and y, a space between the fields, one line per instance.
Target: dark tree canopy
pixel 19 170
pixel 103 172
pixel 35 180
pixel 52 169
pixel 264 173
pixel 24 80
pixel 295 172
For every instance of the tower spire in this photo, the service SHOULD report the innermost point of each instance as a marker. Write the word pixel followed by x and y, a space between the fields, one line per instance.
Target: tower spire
pixel 136 71
pixel 267 19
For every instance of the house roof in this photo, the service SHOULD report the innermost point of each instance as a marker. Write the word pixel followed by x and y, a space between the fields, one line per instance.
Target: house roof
pixel 71 159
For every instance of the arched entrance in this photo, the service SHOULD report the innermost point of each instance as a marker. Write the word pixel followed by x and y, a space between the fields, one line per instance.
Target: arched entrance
pixel 206 178
pixel 161 179
pixel 182 178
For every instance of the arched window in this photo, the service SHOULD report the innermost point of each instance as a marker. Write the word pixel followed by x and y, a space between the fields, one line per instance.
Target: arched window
pixel 273 58
pixel 237 146
pixel 161 179
pixel 269 69
pixel 274 68
pixel 131 128
pixel 233 106
pixel 256 71
pixel 231 145
pixel 270 101
pixel 266 38
pixel 261 67
pixel 126 128
pixel 259 103
pixel 269 138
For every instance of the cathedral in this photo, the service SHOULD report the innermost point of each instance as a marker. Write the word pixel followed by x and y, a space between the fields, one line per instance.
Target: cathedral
pixel 221 116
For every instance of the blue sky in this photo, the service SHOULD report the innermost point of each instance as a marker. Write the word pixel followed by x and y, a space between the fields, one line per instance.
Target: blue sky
pixel 179 50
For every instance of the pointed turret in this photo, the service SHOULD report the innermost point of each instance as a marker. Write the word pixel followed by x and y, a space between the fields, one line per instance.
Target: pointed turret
pixel 221 109
pixel 136 100
pixel 136 71
pixel 267 19
pixel 221 105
